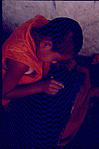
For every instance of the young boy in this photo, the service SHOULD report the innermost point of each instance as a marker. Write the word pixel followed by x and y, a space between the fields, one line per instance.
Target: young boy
pixel 27 56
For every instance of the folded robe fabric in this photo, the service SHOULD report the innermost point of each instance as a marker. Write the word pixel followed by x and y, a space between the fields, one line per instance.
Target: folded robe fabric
pixel 20 46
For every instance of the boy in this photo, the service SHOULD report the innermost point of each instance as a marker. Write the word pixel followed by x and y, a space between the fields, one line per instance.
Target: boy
pixel 27 57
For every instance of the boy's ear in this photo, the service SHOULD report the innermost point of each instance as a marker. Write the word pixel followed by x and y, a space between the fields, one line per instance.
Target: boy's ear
pixel 46 44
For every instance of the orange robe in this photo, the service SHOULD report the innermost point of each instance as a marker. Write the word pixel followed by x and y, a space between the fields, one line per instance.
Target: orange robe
pixel 21 47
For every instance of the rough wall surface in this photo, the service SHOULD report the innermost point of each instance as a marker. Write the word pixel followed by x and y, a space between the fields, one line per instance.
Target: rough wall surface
pixel 86 13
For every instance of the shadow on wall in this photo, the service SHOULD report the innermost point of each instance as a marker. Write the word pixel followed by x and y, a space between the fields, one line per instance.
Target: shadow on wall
pixel 6 32
pixel 5 36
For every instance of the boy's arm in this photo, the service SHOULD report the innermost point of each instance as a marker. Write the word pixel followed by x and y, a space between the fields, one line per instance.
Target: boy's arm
pixel 11 89
pixel 78 112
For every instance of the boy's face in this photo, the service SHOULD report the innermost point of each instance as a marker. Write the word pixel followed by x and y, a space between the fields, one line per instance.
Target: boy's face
pixel 46 54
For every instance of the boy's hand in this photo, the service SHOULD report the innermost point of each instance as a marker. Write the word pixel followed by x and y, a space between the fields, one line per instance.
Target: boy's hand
pixel 51 86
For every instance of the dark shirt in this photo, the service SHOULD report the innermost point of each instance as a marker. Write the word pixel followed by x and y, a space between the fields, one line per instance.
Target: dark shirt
pixel 38 119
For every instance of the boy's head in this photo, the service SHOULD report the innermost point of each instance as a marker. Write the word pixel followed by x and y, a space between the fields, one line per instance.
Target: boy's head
pixel 62 36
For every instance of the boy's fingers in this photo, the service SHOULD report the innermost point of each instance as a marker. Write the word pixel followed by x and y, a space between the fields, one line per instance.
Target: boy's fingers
pixel 57 83
pixel 53 90
pixel 53 93
pixel 55 86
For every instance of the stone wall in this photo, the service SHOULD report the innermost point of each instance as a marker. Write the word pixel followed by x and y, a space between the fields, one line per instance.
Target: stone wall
pixel 15 12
